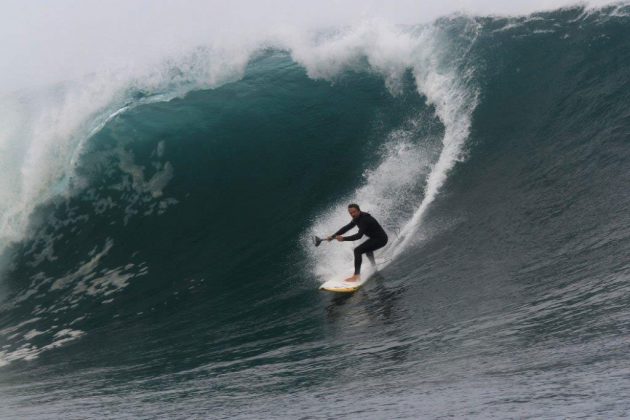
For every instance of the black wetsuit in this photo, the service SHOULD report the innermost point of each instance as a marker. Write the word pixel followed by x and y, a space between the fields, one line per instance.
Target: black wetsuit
pixel 367 226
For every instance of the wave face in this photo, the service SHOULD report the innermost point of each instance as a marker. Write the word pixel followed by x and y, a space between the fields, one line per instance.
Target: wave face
pixel 155 230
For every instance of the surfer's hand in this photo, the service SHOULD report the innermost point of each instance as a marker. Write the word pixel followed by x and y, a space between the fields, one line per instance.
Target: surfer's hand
pixel 339 238
pixel 330 238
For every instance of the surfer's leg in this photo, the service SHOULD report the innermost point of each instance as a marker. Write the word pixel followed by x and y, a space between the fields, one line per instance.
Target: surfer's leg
pixel 368 247
pixel 357 260
pixel 365 248
pixel 370 255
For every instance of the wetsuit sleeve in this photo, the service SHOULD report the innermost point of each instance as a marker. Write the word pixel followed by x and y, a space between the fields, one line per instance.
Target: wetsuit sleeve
pixel 356 236
pixel 353 237
pixel 344 229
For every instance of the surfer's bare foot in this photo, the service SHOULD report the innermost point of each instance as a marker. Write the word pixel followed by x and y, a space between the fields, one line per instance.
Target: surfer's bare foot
pixel 355 277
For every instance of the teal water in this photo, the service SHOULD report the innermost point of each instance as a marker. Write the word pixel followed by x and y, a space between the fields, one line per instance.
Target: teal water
pixel 176 279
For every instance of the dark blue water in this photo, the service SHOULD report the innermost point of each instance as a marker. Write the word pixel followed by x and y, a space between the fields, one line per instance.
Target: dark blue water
pixel 178 280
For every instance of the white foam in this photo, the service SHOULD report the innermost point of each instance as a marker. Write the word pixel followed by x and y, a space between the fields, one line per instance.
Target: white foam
pixel 28 351
pixel 389 192
pixel 26 342
pixel 446 86
pixel 454 102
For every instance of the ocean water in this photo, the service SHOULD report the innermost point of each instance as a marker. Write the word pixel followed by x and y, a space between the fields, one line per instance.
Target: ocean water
pixel 155 253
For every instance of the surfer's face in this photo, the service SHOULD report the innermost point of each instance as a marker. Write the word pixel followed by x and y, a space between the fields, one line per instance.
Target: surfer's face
pixel 354 212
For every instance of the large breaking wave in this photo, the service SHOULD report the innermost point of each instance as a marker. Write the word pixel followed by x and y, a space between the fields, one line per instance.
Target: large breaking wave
pixel 494 151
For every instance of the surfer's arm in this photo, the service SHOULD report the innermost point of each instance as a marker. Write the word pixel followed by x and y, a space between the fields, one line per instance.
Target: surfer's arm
pixel 353 237
pixel 343 229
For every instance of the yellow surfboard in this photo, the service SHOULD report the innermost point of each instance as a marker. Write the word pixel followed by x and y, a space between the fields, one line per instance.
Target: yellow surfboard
pixel 339 285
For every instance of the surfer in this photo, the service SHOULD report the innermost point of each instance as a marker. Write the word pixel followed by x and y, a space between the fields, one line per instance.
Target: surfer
pixel 368 226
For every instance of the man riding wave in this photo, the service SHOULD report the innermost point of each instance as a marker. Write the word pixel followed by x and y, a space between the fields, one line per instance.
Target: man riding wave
pixel 369 227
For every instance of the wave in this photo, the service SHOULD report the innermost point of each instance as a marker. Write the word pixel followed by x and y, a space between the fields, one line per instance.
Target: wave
pixel 48 139
pixel 136 203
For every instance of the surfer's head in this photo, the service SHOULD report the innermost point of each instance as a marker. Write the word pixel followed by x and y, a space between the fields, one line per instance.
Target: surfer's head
pixel 354 210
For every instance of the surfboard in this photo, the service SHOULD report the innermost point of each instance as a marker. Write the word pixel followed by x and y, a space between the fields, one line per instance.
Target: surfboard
pixel 337 284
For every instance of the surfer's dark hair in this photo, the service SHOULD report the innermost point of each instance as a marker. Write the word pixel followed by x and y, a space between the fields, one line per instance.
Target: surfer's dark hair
pixel 356 206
